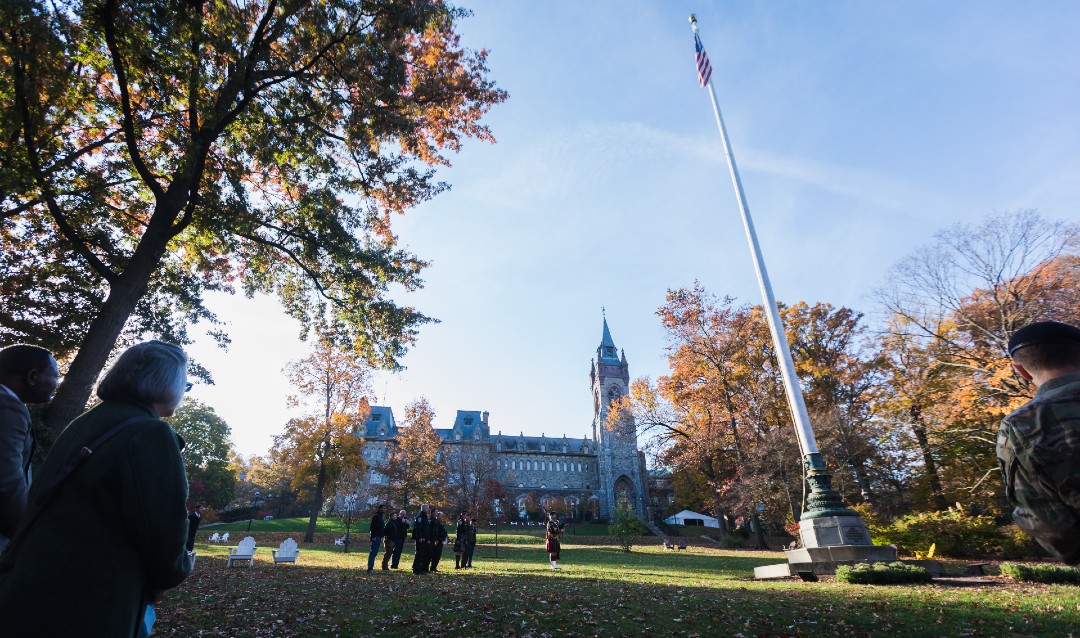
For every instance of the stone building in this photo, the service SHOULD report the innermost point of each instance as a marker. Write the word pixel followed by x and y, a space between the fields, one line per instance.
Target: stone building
pixel 589 475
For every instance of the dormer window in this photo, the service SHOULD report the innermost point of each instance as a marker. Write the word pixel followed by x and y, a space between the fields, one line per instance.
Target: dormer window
pixel 376 417
pixel 609 351
pixel 468 420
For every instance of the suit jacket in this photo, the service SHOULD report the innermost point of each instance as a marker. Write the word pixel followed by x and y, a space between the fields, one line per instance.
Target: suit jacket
pixel 16 452
pixel 109 537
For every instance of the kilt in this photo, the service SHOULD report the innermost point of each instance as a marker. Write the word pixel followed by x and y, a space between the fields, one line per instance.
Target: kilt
pixel 553 548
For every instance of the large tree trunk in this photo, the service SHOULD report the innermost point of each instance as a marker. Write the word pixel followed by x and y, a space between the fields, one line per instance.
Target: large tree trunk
pixel 918 428
pixel 124 294
pixel 309 535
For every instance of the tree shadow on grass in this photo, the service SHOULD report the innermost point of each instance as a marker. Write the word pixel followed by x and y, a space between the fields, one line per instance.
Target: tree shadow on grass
pixel 329 594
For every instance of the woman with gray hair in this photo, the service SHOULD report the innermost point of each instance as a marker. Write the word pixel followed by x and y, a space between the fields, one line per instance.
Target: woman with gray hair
pixel 106 524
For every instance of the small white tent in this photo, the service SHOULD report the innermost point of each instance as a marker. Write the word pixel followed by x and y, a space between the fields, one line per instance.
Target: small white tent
pixel 686 517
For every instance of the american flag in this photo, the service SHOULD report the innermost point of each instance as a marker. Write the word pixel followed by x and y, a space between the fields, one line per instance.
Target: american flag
pixel 704 69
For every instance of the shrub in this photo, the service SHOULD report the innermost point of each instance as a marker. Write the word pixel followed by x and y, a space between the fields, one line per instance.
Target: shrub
pixel 881 574
pixel 626 528
pixel 1041 573
pixel 954 533
pixel 727 541
pixel 237 514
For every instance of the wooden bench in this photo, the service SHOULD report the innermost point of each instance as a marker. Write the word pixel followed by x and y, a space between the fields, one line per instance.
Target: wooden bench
pixel 245 550
pixel 976 569
pixel 287 553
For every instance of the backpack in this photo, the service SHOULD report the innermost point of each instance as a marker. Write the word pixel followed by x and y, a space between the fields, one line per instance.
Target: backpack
pixel 1038 449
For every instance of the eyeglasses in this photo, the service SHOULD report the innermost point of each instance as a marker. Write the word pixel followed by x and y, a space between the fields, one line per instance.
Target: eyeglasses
pixel 187 388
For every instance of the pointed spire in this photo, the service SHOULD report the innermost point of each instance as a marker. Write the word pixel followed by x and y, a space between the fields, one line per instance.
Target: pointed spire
pixel 607 351
pixel 607 341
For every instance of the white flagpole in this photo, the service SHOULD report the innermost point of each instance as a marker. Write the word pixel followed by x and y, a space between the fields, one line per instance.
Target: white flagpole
pixel 783 351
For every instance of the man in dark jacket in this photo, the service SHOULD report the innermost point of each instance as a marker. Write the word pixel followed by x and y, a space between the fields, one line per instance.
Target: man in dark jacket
pixel 389 542
pixel 28 374
pixel 401 532
pixel 193 521
pixel 469 546
pixel 377 532
pixel 437 538
pixel 421 534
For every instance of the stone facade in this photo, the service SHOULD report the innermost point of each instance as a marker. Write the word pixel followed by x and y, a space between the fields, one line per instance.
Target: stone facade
pixel 589 475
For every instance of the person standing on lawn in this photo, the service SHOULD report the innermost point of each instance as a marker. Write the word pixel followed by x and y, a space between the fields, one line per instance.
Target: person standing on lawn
pixel 388 539
pixel 401 533
pixel 193 520
pixel 459 540
pixel 437 538
pixel 377 532
pixel 421 532
pixel 470 544
pixel 552 533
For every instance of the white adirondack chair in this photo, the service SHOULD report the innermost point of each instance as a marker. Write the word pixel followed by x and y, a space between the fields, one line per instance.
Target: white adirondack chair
pixel 340 542
pixel 215 538
pixel 245 550
pixel 287 553
pixel 225 537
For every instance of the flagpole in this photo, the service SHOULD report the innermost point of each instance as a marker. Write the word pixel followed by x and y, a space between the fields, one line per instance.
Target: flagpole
pixel 822 501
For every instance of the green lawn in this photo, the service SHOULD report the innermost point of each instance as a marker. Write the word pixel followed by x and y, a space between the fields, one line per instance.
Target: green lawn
pixel 601 591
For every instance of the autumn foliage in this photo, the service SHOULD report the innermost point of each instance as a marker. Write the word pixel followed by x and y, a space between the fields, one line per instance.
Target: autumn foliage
pixel 906 417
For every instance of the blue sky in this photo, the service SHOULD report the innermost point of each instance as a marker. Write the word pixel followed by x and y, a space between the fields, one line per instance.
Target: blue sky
pixel 860 128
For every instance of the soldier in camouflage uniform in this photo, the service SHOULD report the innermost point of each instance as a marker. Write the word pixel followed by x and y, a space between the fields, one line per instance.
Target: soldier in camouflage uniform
pixel 1039 444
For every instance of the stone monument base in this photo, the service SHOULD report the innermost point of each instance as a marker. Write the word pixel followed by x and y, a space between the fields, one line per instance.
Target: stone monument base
pixel 829 541
pixel 824 560
pixel 827 531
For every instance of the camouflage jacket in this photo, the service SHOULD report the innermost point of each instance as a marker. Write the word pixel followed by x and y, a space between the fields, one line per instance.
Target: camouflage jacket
pixel 1038 448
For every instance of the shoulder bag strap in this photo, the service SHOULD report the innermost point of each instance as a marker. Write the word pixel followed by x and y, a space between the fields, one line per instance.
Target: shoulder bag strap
pixel 72 464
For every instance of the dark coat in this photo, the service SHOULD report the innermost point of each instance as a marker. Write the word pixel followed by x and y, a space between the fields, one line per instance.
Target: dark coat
pixel 401 530
pixel 438 533
pixel 16 451
pixel 377 526
pixel 113 534
pixel 461 535
pixel 421 528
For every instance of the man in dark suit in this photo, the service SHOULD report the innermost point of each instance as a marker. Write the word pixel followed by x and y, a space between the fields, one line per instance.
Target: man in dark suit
pixel 28 374
pixel 401 533
pixel 193 521
pixel 421 533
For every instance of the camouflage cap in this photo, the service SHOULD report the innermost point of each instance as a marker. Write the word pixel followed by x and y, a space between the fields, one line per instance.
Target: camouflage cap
pixel 1043 332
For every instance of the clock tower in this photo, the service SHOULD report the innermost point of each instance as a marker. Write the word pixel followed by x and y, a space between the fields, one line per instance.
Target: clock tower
pixel 621 465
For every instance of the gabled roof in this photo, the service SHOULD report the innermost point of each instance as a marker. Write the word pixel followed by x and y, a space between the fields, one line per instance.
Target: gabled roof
pixel 468 423
pixel 379 424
